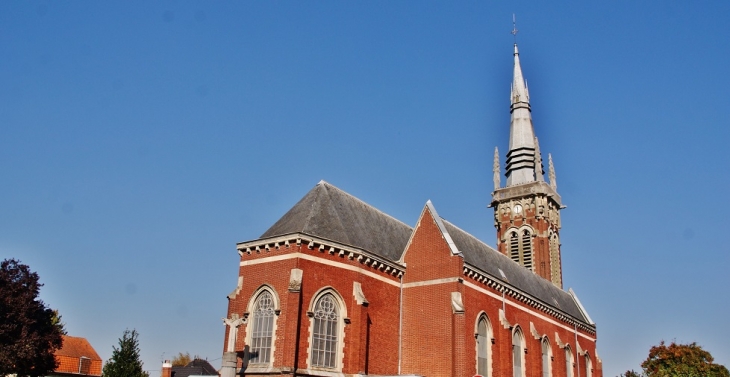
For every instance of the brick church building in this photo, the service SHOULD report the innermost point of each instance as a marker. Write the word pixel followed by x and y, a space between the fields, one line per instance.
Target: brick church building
pixel 338 288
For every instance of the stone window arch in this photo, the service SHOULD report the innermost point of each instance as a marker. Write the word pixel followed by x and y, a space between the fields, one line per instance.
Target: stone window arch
pixel 262 312
pixel 547 357
pixel 520 246
pixel 589 365
pixel 483 335
pixel 328 314
pixel 518 353
pixel 568 361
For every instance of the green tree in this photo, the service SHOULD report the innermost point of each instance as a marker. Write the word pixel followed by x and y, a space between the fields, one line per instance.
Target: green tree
pixel 125 360
pixel 630 373
pixel 30 332
pixel 685 360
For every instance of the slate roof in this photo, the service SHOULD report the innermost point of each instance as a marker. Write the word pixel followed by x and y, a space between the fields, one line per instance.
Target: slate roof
pixel 480 255
pixel 74 346
pixel 197 367
pixel 330 213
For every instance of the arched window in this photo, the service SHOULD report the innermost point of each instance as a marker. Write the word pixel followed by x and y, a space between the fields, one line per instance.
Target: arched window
pixel 484 345
pixel 527 249
pixel 262 330
pixel 546 355
pixel 325 332
pixel 568 362
pixel 518 351
pixel 589 365
pixel 514 247
pixel 520 247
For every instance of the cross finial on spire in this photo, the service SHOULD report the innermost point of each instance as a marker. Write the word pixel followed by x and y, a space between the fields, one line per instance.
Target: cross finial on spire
pixel 514 28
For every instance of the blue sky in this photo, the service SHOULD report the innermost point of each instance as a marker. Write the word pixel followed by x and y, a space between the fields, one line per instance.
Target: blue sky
pixel 140 141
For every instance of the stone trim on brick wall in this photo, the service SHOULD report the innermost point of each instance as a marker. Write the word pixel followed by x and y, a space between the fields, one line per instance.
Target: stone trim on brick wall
pixel 324 246
pixel 492 282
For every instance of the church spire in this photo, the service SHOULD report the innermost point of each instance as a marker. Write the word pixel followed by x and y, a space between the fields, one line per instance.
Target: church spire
pixel 521 155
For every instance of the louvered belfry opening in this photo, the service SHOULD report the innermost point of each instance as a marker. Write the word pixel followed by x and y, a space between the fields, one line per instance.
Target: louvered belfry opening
pixel 520 247
pixel 527 249
pixel 514 247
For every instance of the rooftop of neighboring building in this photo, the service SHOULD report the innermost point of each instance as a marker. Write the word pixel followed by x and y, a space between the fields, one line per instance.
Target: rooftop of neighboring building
pixel 197 367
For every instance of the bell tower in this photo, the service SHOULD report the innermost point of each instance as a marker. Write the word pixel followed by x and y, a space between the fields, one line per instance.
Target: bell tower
pixel 527 209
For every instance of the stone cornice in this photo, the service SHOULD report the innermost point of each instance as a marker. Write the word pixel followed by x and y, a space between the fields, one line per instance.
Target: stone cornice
pixel 323 245
pixel 523 190
pixel 508 290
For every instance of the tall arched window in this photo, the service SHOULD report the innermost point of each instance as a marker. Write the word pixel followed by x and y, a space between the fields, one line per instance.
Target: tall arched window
pixel 484 345
pixel 520 247
pixel 546 354
pixel 518 351
pixel 262 329
pixel 589 365
pixel 514 247
pixel 325 332
pixel 527 249
pixel 568 362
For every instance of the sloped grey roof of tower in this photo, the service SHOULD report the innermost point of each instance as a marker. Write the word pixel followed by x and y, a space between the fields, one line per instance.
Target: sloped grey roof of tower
pixel 330 213
pixel 485 258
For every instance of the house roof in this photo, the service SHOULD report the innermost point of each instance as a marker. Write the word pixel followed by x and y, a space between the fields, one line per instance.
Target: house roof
pixel 197 367
pixel 77 347
pixel 480 255
pixel 330 213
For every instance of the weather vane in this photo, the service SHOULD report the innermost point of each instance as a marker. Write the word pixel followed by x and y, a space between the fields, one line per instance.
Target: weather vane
pixel 514 28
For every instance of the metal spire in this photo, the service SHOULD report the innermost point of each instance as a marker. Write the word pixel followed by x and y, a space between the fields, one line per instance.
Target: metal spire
pixel 521 155
pixel 551 173
pixel 497 175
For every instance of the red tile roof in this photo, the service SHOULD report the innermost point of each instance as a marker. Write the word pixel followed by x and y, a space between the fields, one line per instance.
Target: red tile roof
pixel 77 347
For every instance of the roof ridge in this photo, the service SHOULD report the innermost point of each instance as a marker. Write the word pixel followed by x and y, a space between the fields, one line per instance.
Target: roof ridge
pixel 310 213
pixel 541 280
pixel 470 235
pixel 323 182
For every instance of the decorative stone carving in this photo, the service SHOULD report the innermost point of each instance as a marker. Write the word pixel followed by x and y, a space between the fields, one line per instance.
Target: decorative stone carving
pixel 232 324
pixel 295 280
pixel 456 304
pixel 359 295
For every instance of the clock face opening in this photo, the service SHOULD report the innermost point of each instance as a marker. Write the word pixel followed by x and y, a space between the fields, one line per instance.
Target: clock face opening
pixel 517 209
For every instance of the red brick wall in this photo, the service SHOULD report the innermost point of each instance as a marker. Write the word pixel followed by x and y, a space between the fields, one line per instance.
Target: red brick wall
pixel 371 339
pixel 429 342
pixel 540 241
pixel 477 302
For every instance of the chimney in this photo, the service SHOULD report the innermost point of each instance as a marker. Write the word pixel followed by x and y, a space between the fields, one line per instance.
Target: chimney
pixel 166 369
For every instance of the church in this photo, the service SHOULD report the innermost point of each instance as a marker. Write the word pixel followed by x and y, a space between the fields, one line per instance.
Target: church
pixel 337 287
